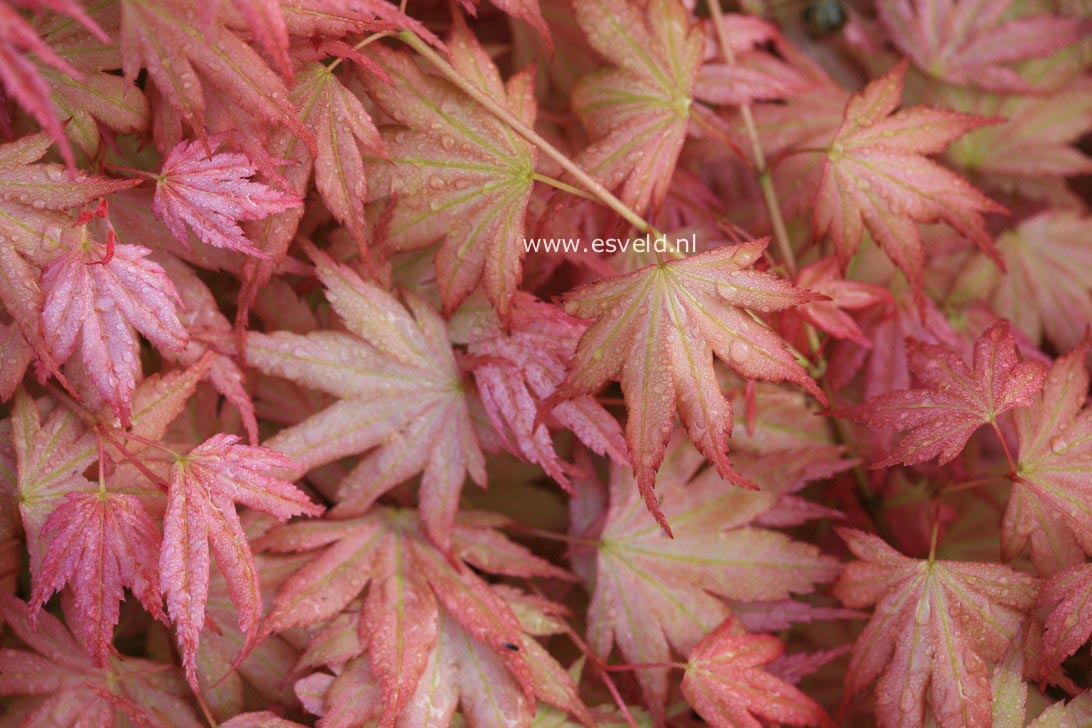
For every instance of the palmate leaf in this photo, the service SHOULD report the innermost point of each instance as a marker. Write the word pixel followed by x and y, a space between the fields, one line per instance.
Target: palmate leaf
pixel 456 173
pixel 100 542
pixel 34 198
pixel 74 691
pixel 518 368
pixel 205 485
pixel 1032 152
pixel 638 113
pixel 402 400
pixel 95 96
pixel 212 193
pixel 342 126
pixel 935 625
pixel 726 685
pixel 1069 595
pixel 876 176
pixel 1047 292
pixel 652 595
pixel 22 79
pixel 1050 505
pixel 423 615
pixel 181 54
pixel 94 296
pixel 969 42
pixel 940 417
pixel 657 331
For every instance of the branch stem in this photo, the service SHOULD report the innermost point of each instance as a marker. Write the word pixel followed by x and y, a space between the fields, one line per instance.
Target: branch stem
pixel 762 171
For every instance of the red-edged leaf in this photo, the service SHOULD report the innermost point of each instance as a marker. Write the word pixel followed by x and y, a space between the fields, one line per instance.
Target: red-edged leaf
pixel 876 176
pixel 1034 149
pixel 1050 505
pixel 402 400
pixel 100 543
pixel 212 194
pixel 675 317
pixel 969 42
pixel 93 295
pixel 181 53
pixel 205 485
pixel 653 595
pixel 1048 290
pixel 456 173
pixel 76 693
pixel 754 74
pixel 1069 594
pixel 524 365
pixel 342 126
pixel 422 609
pixel 33 198
pixel 265 20
pixel 726 684
pixel 845 295
pixel 934 626
pixel 22 80
pixel 938 419
pixel 637 113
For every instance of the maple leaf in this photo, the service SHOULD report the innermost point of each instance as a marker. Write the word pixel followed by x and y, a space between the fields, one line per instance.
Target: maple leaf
pixel 33 200
pixel 75 691
pixel 52 446
pixel 637 113
pixel 205 484
pixel 968 42
pixel 652 594
pixel 725 684
pixel 418 602
pixel 935 625
pixel 1048 290
pixel 1070 622
pixel 1050 505
pixel 95 95
pixel 93 294
pixel 674 317
pixel 179 52
pixel 212 194
pixel 844 294
pixel 402 400
pixel 1034 149
pixel 524 365
pixel 21 78
pixel 754 74
pixel 100 543
pixel 457 173
pixel 939 419
pixel 876 176
pixel 342 126
pixel 265 19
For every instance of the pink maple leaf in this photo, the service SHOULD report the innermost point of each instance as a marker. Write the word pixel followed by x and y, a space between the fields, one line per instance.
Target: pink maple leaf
pixel 205 485
pixel 212 193
pixel 93 294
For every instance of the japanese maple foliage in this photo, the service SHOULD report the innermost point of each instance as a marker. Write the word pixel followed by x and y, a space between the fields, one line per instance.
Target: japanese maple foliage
pixel 545 363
